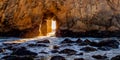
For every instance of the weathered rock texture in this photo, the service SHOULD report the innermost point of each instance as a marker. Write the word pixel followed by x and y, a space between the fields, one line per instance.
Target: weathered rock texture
pixel 25 18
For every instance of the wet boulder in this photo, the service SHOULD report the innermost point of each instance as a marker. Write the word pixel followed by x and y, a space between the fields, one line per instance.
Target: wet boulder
pixel 13 48
pixel 44 41
pixel 104 48
pixel 67 41
pixel 79 41
pixel 88 49
pixel 116 57
pixel 56 47
pixel 80 53
pixel 58 58
pixel 109 43
pixel 93 43
pixel 23 51
pixel 42 52
pixel 37 45
pixel 87 41
pixel 54 51
pixel 18 58
pixel 68 51
pixel 79 59
pixel 99 57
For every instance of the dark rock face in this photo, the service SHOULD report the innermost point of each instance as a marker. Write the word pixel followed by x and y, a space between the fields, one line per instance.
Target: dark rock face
pixel 94 33
pixel 88 49
pixel 25 18
pixel 68 51
pixel 23 51
pixel 57 58
pixel 17 58
pixel 116 57
pixel 99 57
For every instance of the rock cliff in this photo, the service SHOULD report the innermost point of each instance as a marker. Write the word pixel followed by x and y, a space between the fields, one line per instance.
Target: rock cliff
pixel 24 18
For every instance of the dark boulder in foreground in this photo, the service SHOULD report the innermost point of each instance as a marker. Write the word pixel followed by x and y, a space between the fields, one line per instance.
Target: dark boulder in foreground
pixel 116 57
pixel 88 49
pixel 23 51
pixel 58 58
pixel 68 51
pixel 99 57
pixel 79 59
pixel 17 58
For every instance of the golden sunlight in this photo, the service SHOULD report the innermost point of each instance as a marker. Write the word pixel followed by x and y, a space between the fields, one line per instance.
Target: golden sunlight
pixel 53 28
pixel 53 25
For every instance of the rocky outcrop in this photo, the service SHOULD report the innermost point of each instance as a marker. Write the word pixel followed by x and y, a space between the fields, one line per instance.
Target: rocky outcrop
pixel 26 18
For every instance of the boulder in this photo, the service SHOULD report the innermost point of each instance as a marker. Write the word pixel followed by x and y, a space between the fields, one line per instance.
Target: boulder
pixel 80 54
pixel 116 57
pixel 87 41
pixel 54 51
pixel 56 47
pixel 57 58
pixel 79 41
pixel 23 51
pixel 18 58
pixel 99 57
pixel 88 49
pixel 68 51
pixel 79 59
pixel 44 41
pixel 67 41
pixel 37 45
pixel 109 43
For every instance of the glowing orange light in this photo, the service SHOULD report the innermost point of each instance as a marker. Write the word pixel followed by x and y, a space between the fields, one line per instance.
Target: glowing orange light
pixel 53 28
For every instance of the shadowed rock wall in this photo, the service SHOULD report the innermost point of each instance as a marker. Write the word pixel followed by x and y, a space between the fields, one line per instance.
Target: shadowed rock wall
pixel 23 18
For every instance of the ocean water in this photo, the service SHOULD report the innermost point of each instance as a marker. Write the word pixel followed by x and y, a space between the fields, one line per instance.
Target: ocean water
pixel 56 41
